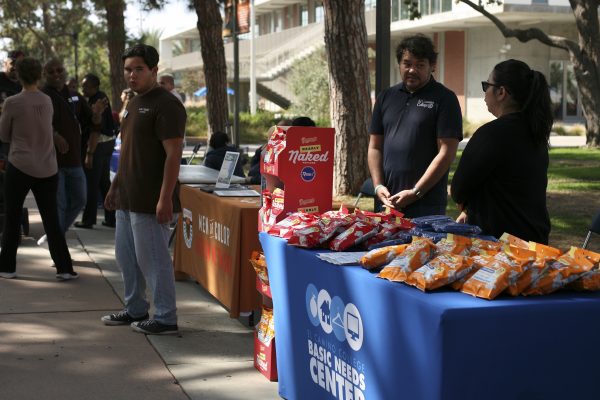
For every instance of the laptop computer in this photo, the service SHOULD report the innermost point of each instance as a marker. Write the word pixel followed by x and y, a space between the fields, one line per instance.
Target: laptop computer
pixel 225 174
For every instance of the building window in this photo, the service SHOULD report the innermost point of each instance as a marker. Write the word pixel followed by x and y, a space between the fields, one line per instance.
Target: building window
pixel 395 15
pixel 319 14
pixel 304 15
pixel 426 7
pixel 564 93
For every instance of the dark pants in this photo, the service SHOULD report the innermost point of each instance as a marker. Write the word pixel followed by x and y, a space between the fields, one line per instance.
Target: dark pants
pixel 16 186
pixel 98 180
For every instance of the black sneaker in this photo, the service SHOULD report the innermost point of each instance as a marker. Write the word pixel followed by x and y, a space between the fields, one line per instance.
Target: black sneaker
pixel 153 327
pixel 121 318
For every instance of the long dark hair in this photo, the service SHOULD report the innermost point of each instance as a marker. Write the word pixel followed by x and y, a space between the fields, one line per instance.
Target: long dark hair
pixel 529 89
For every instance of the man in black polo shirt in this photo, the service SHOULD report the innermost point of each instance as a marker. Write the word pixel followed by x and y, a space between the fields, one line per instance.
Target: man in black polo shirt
pixel 414 134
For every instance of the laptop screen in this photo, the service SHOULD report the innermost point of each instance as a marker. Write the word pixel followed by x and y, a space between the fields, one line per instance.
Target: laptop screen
pixel 227 168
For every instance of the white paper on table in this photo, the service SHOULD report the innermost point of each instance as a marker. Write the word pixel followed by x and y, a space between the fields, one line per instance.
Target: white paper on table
pixel 342 258
pixel 237 193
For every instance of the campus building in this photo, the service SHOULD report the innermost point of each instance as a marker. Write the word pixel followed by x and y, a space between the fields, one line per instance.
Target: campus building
pixel 469 45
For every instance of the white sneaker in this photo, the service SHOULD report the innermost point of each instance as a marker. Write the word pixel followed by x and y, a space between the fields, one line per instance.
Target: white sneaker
pixel 67 276
pixel 42 240
pixel 8 275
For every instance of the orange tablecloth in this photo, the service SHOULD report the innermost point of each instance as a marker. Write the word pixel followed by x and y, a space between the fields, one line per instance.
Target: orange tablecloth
pixel 215 238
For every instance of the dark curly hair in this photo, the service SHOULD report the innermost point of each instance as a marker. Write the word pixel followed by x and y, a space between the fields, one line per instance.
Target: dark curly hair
pixel 29 70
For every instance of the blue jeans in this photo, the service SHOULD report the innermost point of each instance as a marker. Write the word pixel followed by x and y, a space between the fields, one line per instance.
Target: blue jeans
pixel 72 192
pixel 142 253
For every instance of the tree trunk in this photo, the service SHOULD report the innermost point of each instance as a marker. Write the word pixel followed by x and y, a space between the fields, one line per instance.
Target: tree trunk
pixel 210 25
pixel 115 22
pixel 586 65
pixel 349 87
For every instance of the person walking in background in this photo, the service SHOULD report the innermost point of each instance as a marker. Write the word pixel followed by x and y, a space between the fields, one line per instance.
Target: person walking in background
pixel 501 179
pixel 26 124
pixel 168 82
pixel 9 85
pixel 72 116
pixel 98 156
pixel 144 193
pixel 414 134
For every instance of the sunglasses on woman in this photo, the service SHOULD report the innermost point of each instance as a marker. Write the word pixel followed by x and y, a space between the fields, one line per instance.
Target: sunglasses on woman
pixel 485 85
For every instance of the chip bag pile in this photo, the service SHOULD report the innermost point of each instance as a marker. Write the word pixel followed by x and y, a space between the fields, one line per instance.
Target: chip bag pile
pixel 259 263
pixel 266 327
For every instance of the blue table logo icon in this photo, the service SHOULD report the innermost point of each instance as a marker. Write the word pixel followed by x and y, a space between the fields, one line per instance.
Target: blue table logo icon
pixel 333 315
pixel 308 174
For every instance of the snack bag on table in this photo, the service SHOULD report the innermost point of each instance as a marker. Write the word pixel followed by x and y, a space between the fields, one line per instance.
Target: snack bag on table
pixel 481 247
pixel 477 262
pixel 521 261
pixel 456 228
pixel 356 234
pixel 380 256
pixel 440 271
pixel 589 281
pixel 453 244
pixel 544 256
pixel 489 281
pixel 567 268
pixel 420 251
pixel 513 240
pixel 286 227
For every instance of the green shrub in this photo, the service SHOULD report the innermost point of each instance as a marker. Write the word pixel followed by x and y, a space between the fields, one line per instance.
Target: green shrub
pixel 568 130
pixel 196 123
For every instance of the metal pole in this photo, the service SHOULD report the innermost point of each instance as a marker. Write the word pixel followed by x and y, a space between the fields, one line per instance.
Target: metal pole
pixel 75 45
pixel 236 77
pixel 382 45
pixel 252 60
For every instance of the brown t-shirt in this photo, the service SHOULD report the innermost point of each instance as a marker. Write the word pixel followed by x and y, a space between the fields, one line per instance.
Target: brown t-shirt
pixel 149 119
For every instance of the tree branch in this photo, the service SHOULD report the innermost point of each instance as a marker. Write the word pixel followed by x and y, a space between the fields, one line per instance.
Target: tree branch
pixel 525 35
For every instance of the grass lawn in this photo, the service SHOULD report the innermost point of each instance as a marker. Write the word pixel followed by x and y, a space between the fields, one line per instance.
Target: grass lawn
pixel 573 195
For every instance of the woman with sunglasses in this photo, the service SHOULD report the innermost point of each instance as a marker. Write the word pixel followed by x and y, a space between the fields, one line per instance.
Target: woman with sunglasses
pixel 500 183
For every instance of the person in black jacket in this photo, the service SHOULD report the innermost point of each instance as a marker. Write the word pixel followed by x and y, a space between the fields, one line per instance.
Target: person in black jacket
pixel 501 179
pixel 217 148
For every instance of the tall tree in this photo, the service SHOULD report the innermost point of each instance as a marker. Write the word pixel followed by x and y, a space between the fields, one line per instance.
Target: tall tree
pixel 584 54
pixel 210 26
pixel 115 22
pixel 350 101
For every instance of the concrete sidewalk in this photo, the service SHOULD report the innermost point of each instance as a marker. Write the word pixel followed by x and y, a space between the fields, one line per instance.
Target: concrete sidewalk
pixel 53 345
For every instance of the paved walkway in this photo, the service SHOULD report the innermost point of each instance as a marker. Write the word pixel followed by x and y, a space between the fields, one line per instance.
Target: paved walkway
pixel 55 347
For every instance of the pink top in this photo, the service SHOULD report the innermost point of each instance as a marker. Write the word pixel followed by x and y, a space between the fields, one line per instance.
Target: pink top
pixel 26 123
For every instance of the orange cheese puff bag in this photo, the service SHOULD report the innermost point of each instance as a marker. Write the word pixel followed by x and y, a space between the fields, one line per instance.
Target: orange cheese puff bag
pixel 476 263
pixel 521 261
pixel 489 281
pixel 381 256
pixel 515 241
pixel 260 266
pixel 544 256
pixel 590 281
pixel 266 326
pixel 440 271
pixel 454 244
pixel 484 247
pixel 566 269
pixel 415 256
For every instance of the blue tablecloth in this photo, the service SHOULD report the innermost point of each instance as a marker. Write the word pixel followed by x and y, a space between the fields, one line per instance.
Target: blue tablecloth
pixel 342 333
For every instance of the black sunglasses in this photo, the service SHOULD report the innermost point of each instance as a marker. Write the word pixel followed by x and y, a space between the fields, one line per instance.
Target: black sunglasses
pixel 485 85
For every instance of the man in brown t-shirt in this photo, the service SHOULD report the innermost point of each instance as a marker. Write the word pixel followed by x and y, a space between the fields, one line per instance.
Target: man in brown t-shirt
pixel 145 196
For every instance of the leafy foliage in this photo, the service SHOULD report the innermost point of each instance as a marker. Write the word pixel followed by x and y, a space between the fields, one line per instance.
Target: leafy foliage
pixel 310 83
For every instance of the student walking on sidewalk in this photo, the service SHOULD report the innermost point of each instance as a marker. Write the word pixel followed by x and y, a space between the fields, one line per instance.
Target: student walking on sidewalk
pixel 26 124
pixel 145 196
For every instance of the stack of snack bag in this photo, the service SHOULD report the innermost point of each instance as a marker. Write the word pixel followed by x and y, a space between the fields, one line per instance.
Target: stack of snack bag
pixel 260 266
pixel 264 345
pixel 570 267
pixel 272 207
pixel 414 256
pixel 340 230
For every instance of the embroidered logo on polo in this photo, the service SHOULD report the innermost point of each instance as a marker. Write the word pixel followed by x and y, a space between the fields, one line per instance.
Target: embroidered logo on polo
pixel 334 316
pixel 143 110
pixel 425 103
pixel 188 233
